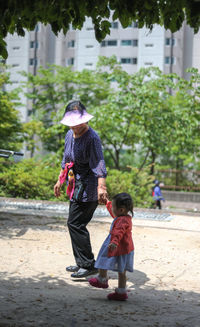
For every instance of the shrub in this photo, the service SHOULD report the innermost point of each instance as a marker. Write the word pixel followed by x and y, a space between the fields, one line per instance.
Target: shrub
pixel 31 179
pixel 137 184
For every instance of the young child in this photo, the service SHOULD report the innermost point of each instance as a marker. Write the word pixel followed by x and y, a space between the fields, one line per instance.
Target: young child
pixel 117 250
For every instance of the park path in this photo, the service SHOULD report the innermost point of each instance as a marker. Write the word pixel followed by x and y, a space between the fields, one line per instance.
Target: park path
pixel 36 290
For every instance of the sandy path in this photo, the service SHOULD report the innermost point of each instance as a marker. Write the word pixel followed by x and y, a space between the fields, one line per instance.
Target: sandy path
pixel 36 290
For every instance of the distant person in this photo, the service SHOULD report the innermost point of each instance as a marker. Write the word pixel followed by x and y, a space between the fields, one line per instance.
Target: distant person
pixel 157 195
pixel 117 250
pixel 83 167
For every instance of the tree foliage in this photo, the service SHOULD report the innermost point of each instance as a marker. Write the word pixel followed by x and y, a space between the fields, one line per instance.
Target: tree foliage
pixel 141 115
pixel 51 90
pixel 10 126
pixel 132 113
pixel 16 16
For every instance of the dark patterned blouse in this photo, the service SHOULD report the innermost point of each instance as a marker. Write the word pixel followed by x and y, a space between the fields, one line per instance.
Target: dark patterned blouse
pixel 86 153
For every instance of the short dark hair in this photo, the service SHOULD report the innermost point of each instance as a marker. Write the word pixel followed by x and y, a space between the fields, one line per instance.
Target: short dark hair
pixel 124 200
pixel 75 105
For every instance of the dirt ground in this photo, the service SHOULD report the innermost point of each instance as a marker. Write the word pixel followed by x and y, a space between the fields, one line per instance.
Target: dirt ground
pixel 37 291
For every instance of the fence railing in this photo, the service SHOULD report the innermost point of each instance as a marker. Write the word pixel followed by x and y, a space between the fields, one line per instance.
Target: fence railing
pixel 181 187
pixel 9 153
pixel 178 179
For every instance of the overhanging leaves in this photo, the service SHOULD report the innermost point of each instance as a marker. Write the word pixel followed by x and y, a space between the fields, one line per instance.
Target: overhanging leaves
pixel 19 15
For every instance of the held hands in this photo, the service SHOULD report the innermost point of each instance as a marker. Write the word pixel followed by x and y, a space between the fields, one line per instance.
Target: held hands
pixel 112 246
pixel 102 194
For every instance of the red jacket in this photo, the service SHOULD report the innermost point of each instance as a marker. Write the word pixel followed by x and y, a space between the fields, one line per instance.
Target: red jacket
pixel 121 234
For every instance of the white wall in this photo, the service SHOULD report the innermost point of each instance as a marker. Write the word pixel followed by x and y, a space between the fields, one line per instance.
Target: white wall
pixel 196 51
pixel 18 60
pixel 86 57
pixel 151 55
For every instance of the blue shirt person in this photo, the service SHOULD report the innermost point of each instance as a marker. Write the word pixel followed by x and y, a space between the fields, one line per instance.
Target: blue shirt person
pixel 157 195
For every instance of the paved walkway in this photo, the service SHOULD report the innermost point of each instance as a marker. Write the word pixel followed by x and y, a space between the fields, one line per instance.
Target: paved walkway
pixel 36 291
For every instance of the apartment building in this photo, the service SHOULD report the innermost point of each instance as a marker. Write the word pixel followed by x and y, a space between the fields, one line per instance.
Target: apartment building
pixel 133 47
pixel 26 54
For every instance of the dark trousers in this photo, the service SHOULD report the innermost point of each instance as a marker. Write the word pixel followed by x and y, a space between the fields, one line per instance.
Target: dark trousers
pixel 158 204
pixel 80 215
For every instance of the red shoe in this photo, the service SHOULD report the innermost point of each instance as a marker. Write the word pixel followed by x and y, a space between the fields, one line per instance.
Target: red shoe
pixel 117 296
pixel 96 283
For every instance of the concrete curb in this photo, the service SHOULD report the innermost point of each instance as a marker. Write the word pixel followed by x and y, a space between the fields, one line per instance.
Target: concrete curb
pixel 50 208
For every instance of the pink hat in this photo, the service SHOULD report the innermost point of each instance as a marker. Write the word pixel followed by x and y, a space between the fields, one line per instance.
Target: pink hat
pixel 74 118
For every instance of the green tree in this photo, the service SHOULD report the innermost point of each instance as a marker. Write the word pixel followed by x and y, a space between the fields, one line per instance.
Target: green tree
pixel 10 125
pixel 19 15
pixel 142 113
pixel 132 113
pixel 185 104
pixel 50 91
pixel 113 120
pixel 153 113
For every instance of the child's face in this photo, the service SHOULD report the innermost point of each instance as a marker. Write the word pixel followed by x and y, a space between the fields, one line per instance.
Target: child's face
pixel 118 211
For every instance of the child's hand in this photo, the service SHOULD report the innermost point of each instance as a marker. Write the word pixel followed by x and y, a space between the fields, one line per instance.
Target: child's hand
pixel 112 246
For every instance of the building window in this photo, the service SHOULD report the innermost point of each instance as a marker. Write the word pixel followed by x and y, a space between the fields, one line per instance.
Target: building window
pixel 169 41
pixel 126 42
pixel 37 27
pixel 128 61
pixel 70 61
pixel 109 43
pixel 71 44
pixel 148 63
pixel 16 48
pixel 149 45
pixel 114 24
pixel 134 43
pixel 33 44
pixel 88 64
pixel 169 60
pixel 89 28
pixel 33 62
pixel 89 46
pixel 15 65
pixel 133 24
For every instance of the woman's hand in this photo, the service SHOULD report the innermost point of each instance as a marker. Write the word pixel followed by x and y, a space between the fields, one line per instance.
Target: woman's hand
pixel 102 195
pixel 112 246
pixel 102 191
pixel 57 188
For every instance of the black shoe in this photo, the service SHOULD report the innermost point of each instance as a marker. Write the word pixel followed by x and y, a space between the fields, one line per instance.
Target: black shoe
pixel 84 272
pixel 72 268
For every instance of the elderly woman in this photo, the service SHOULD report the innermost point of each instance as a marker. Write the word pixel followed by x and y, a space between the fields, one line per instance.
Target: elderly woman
pixel 83 166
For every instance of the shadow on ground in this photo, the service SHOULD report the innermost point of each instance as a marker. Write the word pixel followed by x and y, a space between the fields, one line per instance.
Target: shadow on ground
pixel 55 301
pixel 13 225
pixel 47 301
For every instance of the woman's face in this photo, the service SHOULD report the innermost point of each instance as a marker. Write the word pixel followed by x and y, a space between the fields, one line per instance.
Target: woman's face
pixel 78 129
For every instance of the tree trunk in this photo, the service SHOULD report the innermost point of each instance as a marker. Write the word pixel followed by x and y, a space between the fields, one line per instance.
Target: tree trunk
pixel 144 161
pixel 153 155
pixel 117 159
